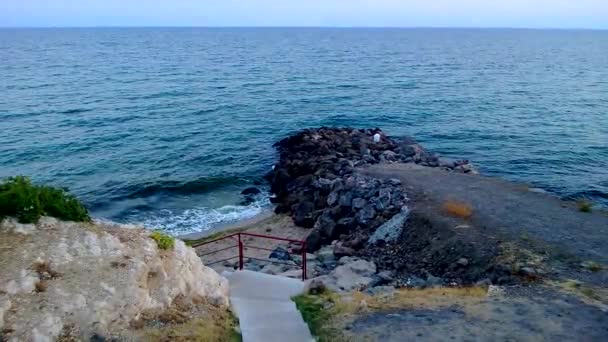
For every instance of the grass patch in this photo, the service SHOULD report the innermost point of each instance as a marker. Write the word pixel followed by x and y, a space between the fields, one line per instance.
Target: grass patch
pixel 217 325
pixel 318 311
pixel 458 209
pixel 584 206
pixel 163 241
pixel 327 312
pixel 22 199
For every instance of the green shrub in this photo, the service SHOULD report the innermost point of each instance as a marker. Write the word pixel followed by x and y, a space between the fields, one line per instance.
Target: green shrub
pixel 22 199
pixel 163 240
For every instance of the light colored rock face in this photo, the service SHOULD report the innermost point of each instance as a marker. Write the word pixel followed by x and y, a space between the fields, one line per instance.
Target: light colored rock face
pixel 351 274
pixel 95 277
pixel 391 230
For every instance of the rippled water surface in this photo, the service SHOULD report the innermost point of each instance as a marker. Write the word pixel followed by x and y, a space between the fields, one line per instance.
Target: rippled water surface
pixel 165 126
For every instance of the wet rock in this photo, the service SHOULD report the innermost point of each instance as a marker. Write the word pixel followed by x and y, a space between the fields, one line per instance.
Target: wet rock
pixel 251 191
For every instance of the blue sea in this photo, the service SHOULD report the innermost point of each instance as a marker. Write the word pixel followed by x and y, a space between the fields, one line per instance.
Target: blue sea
pixel 165 126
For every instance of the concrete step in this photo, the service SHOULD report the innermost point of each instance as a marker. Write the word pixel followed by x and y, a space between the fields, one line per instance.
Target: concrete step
pixel 264 307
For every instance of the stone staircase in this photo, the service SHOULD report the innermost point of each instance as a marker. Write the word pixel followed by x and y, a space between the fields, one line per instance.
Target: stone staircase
pixel 264 307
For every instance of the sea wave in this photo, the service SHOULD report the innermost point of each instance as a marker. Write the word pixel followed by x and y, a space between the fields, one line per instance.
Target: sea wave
pixel 201 185
pixel 200 219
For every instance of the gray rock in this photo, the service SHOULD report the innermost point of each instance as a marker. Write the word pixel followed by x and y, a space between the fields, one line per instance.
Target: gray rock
pixel 381 290
pixel 274 269
pixel 333 198
pixel 366 214
pixel 340 251
pixel 389 155
pixel 394 182
pixel 326 225
pixel 346 199
pixel 433 281
pixel 446 162
pixel 313 240
pixel 463 261
pixel 315 287
pixel 279 253
pixel 359 203
pixel 391 230
pixel 303 214
pixel 386 276
pixel 326 254
pixel 345 225
pixel 416 282
pixel 323 184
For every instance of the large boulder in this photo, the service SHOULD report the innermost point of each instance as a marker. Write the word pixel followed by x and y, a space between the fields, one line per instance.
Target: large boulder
pixel 93 280
pixel 303 214
pixel 351 274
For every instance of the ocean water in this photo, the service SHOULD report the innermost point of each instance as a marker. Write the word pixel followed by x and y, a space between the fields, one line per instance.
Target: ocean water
pixel 165 126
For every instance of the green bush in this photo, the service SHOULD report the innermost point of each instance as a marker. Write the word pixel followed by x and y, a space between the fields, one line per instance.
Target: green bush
pixel 22 199
pixel 163 240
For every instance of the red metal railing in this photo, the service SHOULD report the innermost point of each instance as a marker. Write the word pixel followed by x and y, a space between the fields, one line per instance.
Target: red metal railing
pixel 240 245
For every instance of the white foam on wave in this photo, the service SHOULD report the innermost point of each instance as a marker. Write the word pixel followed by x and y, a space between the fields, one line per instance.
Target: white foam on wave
pixel 200 219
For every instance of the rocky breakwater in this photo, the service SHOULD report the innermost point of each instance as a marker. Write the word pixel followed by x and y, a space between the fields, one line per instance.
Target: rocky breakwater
pixel 84 281
pixel 314 181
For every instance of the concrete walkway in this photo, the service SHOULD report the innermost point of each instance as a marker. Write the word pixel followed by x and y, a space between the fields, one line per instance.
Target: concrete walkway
pixel 264 307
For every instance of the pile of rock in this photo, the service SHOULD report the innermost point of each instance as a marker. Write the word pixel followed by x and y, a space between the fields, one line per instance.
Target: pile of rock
pixel 314 181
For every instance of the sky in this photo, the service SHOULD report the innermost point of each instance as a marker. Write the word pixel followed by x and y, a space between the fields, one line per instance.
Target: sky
pixel 333 13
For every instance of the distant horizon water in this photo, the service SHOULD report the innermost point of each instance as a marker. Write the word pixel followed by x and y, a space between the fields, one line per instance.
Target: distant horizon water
pixel 165 126
pixel 439 27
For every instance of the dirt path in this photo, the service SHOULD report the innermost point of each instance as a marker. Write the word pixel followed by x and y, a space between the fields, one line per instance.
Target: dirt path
pixel 568 303
pixel 507 208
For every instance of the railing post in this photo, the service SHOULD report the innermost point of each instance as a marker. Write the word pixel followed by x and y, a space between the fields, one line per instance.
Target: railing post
pixel 240 252
pixel 303 261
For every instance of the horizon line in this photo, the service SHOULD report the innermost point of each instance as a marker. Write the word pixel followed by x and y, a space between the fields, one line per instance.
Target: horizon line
pixel 309 27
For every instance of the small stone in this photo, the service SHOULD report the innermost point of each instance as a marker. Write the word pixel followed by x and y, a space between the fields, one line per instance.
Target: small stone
pixel 394 182
pixel 279 253
pixel 315 287
pixel 340 251
pixel 359 203
pixel 433 281
pixel 463 261
pixel 416 282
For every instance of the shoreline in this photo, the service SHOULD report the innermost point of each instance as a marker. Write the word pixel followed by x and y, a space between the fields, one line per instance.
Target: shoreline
pixel 240 224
